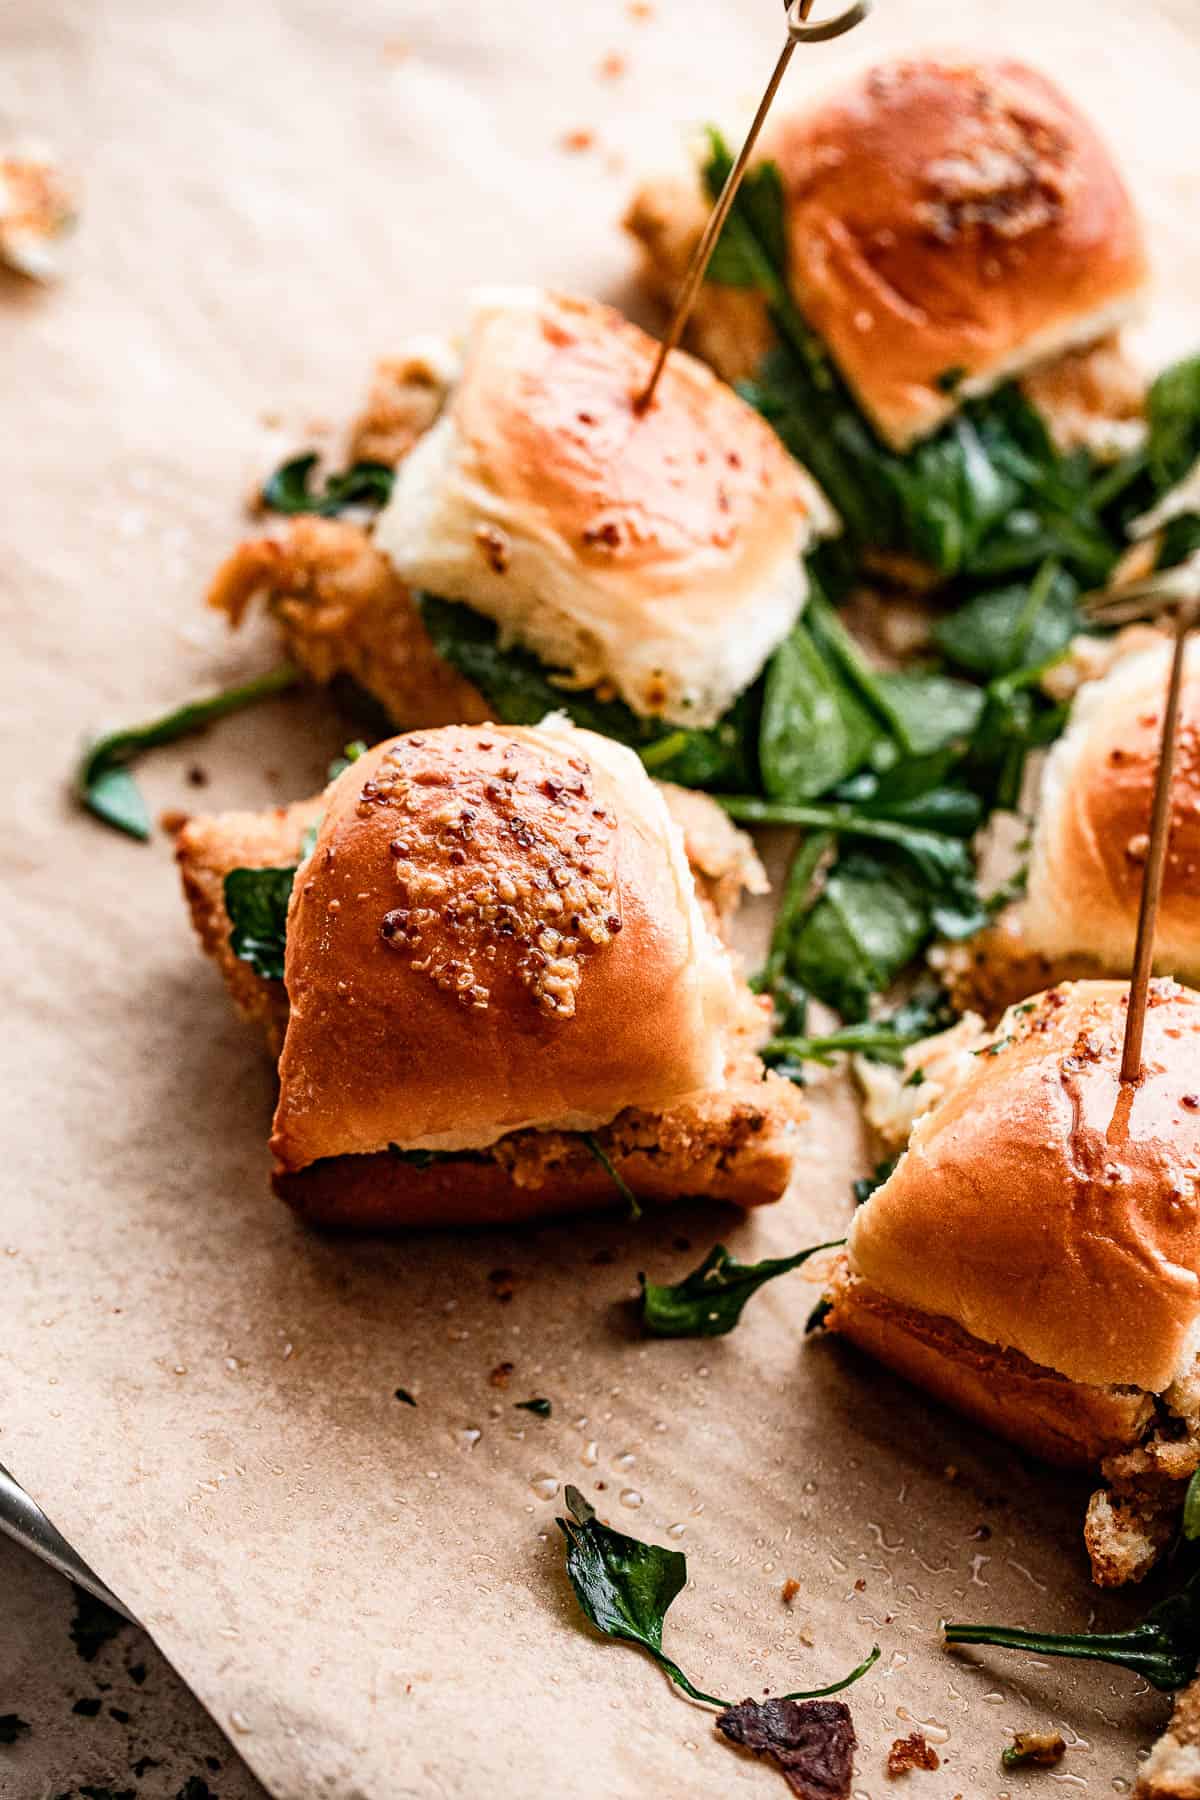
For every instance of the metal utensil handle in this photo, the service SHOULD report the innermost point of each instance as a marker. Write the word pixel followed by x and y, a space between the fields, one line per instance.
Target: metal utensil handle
pixel 23 1520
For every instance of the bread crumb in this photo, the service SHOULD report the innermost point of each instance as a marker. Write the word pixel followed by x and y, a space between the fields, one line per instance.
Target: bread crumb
pixel 612 66
pixel 1034 1750
pixel 501 1375
pixel 641 10
pixel 789 1590
pixel 912 1752
pixel 579 139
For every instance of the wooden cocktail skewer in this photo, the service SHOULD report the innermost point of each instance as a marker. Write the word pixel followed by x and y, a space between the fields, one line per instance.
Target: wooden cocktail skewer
pixel 798 32
pixel 1173 592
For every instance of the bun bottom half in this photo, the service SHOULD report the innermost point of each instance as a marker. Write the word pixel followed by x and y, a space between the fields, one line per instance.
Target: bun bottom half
pixel 1061 1421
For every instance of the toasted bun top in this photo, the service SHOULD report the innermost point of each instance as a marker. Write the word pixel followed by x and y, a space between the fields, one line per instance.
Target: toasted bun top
pixel 657 551
pixel 1047 1208
pixel 1092 834
pixel 497 929
pixel 952 220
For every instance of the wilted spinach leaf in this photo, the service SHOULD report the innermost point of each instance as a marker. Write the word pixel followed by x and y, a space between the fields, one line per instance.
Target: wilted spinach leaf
pixel 1173 410
pixel 626 1587
pixel 521 690
pixel 709 1301
pixel 103 782
pixel 1006 629
pixel 289 489
pixel 257 903
pixel 814 731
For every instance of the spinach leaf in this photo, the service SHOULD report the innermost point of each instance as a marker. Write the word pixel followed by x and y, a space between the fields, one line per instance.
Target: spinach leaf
pixel 103 782
pixel 521 690
pixel 626 1588
pixel 1163 1647
pixel 596 1150
pixel 1006 629
pixel 931 710
pixel 1180 539
pixel 865 1186
pixel 708 1302
pixel 870 920
pixel 289 489
pixel 1173 410
pixel 882 1040
pixel 257 903
pixel 814 729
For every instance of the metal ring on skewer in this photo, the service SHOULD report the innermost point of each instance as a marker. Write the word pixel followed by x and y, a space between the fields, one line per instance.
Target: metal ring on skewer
pixel 801 32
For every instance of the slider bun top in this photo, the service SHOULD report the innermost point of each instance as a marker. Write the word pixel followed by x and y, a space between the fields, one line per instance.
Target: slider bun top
pixel 952 221
pixel 1045 1207
pixel 497 929
pixel 1091 839
pixel 656 552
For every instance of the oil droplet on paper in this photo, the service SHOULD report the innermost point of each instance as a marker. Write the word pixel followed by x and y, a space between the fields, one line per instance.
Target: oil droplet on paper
pixel 630 1497
pixel 469 1437
pixel 589 1456
pixel 626 1460
pixel 544 1486
pixel 677 1530
pixel 240 1722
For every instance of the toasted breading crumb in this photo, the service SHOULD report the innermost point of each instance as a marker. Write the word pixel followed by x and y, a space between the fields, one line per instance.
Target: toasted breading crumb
pixel 580 139
pixel 344 611
pixel 789 1590
pixel 38 207
pixel 1093 398
pixel 1172 1770
pixel 1034 1750
pixel 911 1752
pixel 406 395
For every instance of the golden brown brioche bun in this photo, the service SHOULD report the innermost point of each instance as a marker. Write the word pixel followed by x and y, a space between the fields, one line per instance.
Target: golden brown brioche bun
pixel 497 930
pixel 1043 1207
pixel 1091 839
pixel 659 552
pixel 1065 1422
pixel 952 221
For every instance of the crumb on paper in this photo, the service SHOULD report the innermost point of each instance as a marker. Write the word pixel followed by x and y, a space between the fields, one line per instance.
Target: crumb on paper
pixel 270 421
pixel 789 1590
pixel 501 1375
pixel 1034 1750
pixel 951 1471
pixel 612 66
pixel 911 1752
pixel 173 819
pixel 197 776
pixel 581 138
pixel 38 207
pixel 640 10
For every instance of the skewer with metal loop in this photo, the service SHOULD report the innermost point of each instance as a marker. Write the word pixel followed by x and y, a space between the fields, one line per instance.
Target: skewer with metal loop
pixel 1175 594
pixel 799 31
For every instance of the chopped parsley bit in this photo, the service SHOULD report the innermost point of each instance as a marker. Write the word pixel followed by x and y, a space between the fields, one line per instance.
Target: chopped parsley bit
pixel 917 1078
pixel 540 1407
pixel 950 379
pixel 404 1395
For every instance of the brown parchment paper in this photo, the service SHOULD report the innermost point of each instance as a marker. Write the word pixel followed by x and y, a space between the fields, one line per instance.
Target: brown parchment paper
pixel 370 1597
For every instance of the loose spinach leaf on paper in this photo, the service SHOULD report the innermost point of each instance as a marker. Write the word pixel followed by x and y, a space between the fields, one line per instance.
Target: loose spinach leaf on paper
pixel 709 1301
pixel 626 1587
pixel 257 903
pixel 1163 1647
pixel 290 490
pixel 521 689
pixel 103 782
